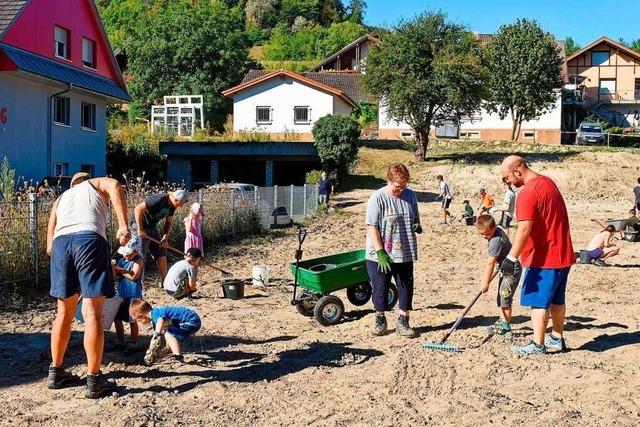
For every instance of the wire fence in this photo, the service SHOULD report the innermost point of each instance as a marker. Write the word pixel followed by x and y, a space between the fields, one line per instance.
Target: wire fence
pixel 608 139
pixel 230 214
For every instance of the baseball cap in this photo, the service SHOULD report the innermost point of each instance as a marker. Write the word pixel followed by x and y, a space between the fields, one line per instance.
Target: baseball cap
pixel 79 177
pixel 181 195
pixel 193 253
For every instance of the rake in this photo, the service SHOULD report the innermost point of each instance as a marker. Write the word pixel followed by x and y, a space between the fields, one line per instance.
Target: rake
pixel 442 345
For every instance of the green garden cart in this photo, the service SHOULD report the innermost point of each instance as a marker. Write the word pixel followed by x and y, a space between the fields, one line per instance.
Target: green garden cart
pixel 319 277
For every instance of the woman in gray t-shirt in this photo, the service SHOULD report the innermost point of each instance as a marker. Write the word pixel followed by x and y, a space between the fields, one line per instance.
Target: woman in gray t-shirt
pixel 392 223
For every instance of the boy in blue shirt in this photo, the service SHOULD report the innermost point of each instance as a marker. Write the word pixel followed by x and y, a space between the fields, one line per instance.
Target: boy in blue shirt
pixel 171 324
pixel 129 269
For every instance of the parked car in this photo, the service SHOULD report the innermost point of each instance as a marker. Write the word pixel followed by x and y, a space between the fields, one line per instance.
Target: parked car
pixel 590 133
pixel 236 186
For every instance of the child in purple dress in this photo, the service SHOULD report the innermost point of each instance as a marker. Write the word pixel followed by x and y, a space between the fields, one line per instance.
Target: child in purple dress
pixel 193 228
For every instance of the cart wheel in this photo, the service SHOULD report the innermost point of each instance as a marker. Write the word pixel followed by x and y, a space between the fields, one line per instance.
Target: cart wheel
pixel 359 294
pixel 392 296
pixel 307 304
pixel 329 310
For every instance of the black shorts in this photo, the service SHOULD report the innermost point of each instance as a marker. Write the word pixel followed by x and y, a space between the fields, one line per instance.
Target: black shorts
pixel 123 311
pixel 153 248
pixel 505 220
pixel 446 203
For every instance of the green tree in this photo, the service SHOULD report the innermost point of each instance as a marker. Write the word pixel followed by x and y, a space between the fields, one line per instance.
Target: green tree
pixel 187 47
pixel 524 67
pixel 336 139
pixel 120 18
pixel 356 10
pixel 338 36
pixel 323 12
pixel 261 13
pixel 302 45
pixel 570 46
pixel 426 71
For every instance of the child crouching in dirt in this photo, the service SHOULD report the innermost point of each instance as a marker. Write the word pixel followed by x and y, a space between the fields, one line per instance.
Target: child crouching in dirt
pixel 499 247
pixel 129 269
pixel 602 247
pixel 181 277
pixel 468 210
pixel 171 327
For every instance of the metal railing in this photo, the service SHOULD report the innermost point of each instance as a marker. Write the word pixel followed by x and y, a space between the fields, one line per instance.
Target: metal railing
pixel 229 215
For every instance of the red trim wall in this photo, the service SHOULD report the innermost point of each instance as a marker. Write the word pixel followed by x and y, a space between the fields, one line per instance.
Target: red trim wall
pixel 33 30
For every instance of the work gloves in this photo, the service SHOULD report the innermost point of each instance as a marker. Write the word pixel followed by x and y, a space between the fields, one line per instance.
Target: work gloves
pixel 384 262
pixel 510 266
pixel 416 228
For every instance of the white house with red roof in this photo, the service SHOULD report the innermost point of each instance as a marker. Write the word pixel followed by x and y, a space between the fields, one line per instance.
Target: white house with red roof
pixel 57 75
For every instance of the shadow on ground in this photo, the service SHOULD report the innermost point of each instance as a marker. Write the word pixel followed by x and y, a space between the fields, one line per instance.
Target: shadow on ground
pixel 363 182
pixel 251 368
pixel 488 157
pixel 606 342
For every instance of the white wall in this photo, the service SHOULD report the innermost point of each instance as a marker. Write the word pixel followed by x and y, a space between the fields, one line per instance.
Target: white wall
pixel 485 120
pixel 549 120
pixel 23 138
pixel 282 95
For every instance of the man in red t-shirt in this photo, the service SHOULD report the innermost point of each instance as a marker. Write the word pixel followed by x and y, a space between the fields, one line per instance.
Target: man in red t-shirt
pixel 543 242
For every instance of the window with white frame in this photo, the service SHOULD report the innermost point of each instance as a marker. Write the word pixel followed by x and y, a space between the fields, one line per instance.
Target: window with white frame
pixel 599 57
pixel 62 43
pixel 90 169
pixel 60 169
pixel 88 53
pixel 61 106
pixel 301 115
pixel 263 115
pixel 607 86
pixel 88 119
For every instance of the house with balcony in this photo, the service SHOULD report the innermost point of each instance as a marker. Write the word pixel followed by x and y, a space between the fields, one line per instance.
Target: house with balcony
pixel 604 80
pixel 57 75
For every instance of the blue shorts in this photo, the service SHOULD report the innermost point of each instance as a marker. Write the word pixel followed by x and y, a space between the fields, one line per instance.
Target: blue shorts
pixel 542 287
pixel 184 330
pixel 80 263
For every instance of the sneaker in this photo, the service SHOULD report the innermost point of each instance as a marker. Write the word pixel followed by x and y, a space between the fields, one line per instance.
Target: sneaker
pixel 499 328
pixel 380 325
pixel 599 262
pixel 98 385
pixel 58 377
pixel 451 219
pixel 403 328
pixel 531 348
pixel 555 344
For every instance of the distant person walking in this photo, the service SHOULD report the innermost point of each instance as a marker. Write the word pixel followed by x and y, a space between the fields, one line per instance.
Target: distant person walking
pixel 636 193
pixel 325 189
pixel 543 240
pixel 446 196
pixel 193 228
pixel 393 221
pixel 80 263
pixel 147 216
pixel 508 205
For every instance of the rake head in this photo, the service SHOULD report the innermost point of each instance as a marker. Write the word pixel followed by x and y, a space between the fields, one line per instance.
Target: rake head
pixel 452 348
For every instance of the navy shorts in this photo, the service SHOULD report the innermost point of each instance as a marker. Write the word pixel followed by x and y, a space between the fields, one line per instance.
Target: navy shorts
pixel 123 311
pixel 184 330
pixel 80 263
pixel 542 287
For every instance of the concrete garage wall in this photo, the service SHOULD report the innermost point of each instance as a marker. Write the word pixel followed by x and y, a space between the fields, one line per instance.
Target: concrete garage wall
pixel 23 138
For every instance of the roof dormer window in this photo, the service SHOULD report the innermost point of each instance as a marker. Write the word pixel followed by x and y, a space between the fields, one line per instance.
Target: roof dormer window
pixel 88 53
pixel 62 43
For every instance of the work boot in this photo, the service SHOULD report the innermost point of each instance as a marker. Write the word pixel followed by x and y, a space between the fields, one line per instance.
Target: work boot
pixel 380 325
pixel 58 377
pixel 98 385
pixel 403 328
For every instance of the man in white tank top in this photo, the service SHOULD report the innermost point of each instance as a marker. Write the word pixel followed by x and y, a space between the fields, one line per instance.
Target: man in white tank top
pixel 80 263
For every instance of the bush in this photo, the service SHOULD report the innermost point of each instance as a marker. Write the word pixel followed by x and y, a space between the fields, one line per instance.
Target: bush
pixel 336 139
pixel 7 180
pixel 313 177
pixel 133 149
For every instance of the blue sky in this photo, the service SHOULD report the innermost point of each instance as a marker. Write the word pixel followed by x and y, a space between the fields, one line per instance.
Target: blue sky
pixel 584 20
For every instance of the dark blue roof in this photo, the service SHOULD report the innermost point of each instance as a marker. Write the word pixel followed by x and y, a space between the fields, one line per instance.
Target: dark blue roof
pixel 51 69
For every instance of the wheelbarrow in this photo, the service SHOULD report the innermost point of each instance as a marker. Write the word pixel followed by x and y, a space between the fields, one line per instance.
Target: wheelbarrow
pixel 319 277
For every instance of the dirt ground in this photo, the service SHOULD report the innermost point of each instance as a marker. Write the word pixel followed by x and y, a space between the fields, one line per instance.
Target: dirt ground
pixel 258 362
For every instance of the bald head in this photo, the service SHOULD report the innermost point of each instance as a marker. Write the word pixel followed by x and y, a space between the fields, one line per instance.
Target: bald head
pixel 514 169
